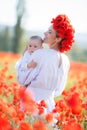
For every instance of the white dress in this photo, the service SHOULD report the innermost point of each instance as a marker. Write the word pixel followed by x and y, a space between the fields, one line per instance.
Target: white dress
pixel 47 79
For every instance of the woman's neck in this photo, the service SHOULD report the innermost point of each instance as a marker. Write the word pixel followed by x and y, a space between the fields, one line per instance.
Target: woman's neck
pixel 54 47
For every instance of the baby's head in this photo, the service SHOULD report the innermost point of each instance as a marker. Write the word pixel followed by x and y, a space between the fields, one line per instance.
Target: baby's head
pixel 34 44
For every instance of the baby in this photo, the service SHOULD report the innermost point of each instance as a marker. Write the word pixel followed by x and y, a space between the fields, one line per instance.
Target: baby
pixel 25 62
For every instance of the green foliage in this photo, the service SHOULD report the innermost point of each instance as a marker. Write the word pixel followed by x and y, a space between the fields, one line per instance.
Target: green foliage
pixel 10 37
pixel 77 54
pixel 18 31
pixel 5 39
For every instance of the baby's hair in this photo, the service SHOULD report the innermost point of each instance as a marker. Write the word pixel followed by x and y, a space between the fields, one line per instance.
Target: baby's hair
pixel 36 37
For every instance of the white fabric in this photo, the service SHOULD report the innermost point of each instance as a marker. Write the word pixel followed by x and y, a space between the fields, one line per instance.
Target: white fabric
pixel 21 67
pixel 23 61
pixel 47 79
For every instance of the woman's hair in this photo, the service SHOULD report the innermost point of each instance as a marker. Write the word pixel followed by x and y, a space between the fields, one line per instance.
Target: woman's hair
pixel 64 29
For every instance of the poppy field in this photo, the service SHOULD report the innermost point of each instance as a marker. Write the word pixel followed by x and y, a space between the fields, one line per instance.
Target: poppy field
pixel 19 111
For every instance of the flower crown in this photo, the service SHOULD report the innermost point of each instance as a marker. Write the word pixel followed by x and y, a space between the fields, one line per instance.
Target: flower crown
pixel 64 29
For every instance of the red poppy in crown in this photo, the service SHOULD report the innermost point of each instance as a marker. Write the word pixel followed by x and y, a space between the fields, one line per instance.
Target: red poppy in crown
pixel 64 30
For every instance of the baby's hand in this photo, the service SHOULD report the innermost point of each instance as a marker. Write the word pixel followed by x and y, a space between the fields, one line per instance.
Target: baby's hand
pixel 32 64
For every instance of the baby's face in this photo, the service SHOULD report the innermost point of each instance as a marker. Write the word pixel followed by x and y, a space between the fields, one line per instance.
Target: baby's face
pixel 34 45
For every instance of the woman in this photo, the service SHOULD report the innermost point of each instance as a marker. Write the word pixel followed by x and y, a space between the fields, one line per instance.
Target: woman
pixel 52 64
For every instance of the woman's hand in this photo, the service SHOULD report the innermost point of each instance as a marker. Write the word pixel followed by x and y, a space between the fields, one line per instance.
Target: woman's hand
pixel 32 64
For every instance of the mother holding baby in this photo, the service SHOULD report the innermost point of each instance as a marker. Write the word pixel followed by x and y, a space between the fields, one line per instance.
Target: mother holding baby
pixel 52 64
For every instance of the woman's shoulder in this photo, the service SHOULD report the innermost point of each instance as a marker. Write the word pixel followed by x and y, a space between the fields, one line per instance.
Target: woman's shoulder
pixel 48 52
pixel 44 51
pixel 38 52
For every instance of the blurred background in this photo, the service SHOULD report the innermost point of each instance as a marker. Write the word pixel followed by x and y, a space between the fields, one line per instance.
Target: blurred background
pixel 20 19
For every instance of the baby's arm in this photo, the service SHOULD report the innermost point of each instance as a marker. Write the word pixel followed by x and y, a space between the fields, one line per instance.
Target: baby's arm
pixel 32 64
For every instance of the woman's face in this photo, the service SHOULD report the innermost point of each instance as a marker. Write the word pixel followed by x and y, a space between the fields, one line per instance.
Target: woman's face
pixel 50 36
